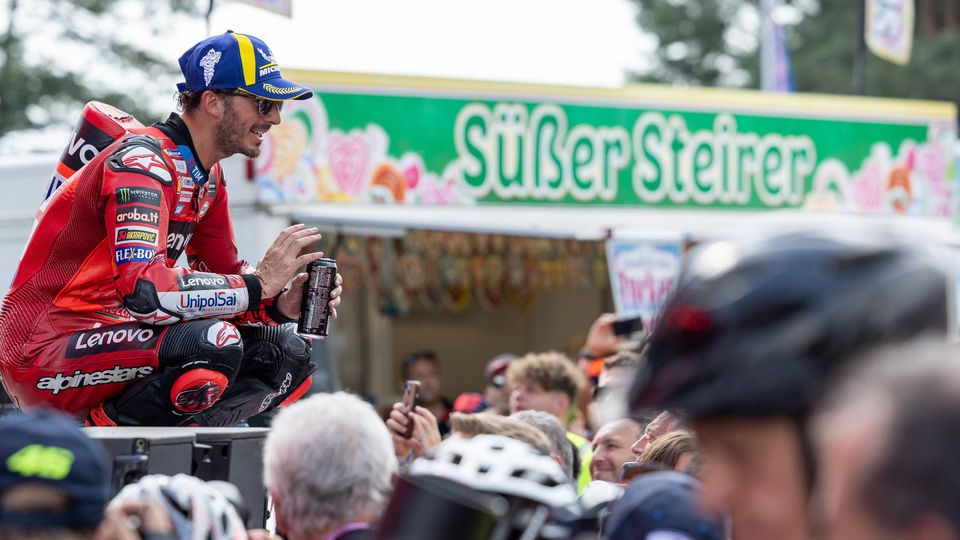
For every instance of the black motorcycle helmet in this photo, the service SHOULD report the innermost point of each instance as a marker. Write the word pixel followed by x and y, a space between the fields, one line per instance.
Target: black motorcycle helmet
pixel 755 326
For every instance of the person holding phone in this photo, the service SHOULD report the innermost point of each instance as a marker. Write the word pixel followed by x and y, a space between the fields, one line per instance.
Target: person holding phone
pixel 424 366
pixel 413 428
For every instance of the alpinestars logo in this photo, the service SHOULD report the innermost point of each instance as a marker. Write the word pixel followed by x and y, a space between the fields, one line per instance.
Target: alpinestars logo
pixel 268 399
pixel 198 398
pixel 61 381
pixel 144 159
pixel 222 334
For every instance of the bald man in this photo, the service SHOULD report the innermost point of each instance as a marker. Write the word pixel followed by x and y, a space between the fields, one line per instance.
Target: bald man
pixel 611 448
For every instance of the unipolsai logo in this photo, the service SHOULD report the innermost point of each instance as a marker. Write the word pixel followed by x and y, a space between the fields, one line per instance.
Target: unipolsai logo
pixel 213 301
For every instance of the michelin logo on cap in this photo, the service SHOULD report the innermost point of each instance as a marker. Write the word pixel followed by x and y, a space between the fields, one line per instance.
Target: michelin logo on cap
pixel 209 63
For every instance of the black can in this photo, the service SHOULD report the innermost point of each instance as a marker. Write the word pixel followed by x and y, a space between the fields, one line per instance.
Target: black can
pixel 314 308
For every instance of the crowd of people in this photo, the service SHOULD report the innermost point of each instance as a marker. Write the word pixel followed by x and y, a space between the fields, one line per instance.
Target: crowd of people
pixel 795 386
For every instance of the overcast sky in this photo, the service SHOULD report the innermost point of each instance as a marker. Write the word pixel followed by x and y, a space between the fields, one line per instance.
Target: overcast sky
pixel 580 42
pixel 570 42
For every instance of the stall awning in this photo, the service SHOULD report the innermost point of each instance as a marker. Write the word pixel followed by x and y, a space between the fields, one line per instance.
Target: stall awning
pixel 591 223
pixel 549 222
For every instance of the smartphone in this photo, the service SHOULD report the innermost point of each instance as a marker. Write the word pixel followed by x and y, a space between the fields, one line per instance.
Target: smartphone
pixel 411 391
pixel 633 469
pixel 625 327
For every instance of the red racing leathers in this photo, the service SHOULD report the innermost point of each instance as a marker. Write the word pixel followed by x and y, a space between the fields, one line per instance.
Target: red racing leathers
pixel 102 256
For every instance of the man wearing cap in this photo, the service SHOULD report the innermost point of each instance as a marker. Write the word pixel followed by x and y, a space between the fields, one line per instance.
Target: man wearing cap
pixel 496 393
pixel 52 477
pixel 100 323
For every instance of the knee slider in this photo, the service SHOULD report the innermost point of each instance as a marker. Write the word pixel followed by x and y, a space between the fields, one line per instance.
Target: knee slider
pixel 206 356
pixel 196 390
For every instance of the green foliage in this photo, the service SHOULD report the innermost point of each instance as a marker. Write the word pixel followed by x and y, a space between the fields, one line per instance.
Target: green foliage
pixel 822 48
pixel 37 89
pixel 692 47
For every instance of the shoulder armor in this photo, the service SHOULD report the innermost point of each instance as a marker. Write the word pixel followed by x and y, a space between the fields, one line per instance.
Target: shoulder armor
pixel 141 154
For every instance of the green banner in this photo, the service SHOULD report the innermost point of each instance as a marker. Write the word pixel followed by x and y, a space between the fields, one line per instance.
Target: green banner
pixel 428 147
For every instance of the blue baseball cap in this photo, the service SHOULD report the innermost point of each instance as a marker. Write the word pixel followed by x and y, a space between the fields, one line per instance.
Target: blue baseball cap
pixel 237 61
pixel 46 447
pixel 662 505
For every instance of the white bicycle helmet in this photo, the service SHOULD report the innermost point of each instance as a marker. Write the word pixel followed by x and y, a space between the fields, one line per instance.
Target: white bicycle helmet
pixel 501 465
pixel 198 511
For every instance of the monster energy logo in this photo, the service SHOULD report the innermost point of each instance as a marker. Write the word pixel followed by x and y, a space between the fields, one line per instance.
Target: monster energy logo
pixel 128 195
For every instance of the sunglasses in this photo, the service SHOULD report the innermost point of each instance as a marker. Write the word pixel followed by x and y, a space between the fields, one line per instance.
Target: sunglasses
pixel 263 105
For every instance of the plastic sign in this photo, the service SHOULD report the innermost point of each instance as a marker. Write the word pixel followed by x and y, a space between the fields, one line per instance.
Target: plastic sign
pixel 374 142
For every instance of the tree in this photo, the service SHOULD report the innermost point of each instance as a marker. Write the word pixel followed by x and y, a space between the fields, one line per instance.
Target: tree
pixel 701 42
pixel 697 35
pixel 56 55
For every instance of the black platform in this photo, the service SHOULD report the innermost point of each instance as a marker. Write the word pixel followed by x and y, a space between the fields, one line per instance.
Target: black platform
pixel 234 455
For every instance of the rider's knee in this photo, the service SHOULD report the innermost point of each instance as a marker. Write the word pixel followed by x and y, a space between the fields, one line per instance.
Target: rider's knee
pixel 208 358
pixel 272 352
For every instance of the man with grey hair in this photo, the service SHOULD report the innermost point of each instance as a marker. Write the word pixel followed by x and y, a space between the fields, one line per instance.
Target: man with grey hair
pixel 328 463
pixel 550 426
pixel 887 440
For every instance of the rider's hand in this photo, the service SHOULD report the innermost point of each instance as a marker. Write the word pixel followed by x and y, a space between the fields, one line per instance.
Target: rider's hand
pixel 289 301
pixel 281 260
